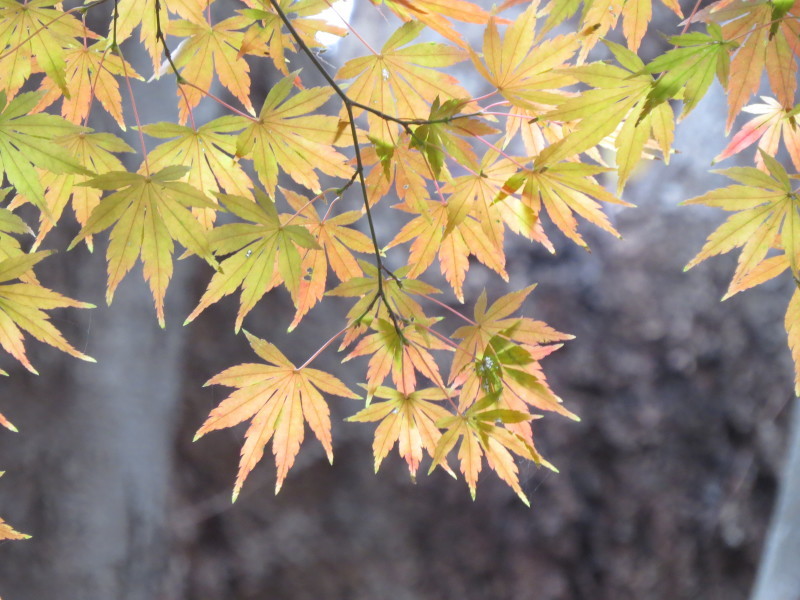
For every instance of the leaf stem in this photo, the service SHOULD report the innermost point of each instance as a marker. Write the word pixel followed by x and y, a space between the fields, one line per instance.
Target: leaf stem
pixel 322 349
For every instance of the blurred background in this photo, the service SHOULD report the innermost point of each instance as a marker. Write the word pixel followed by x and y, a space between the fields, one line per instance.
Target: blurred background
pixel 665 490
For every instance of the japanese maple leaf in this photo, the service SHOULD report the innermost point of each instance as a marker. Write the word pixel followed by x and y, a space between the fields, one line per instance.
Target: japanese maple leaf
pixel 767 36
pixel 522 70
pixel 94 152
pixel 766 216
pixel 402 353
pixel 91 72
pixel 142 14
pixel 208 50
pixel 267 37
pixel 31 29
pixel 23 306
pixel 28 141
pixel 565 189
pixel 444 135
pixel 9 533
pixel 497 321
pixel 772 123
pixel 599 16
pixel 207 153
pixel 690 68
pixel 478 194
pixel 279 398
pixel 398 291
pixel 435 14
pixel 7 424
pixel 619 95
pixel 11 226
pixel 299 145
pixel 399 166
pixel 401 81
pixel 257 248
pixel 481 437
pixel 337 242
pixel 512 372
pixel 431 237
pixel 408 420
pixel 147 214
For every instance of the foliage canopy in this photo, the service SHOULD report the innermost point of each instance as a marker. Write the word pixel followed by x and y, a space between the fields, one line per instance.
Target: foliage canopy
pixel 520 152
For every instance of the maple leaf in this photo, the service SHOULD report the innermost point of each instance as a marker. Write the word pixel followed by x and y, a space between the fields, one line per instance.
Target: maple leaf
pixel 90 72
pixel 207 152
pixel 432 236
pixel 401 81
pixel 767 36
pixel 8 533
pixel 476 195
pixel 257 248
pixel 562 189
pixel 481 437
pixel 7 424
pixel 406 419
pixel 28 141
pixel 616 104
pixel 266 38
pixel 523 72
pixel 399 165
pixel 397 293
pixel 279 398
pixel 300 145
pixel 142 14
pixel 772 123
pixel 766 216
pixel 92 151
pixel 147 212
pixel 599 16
pixel 440 136
pixel 22 307
pixel 208 50
pixel 494 321
pixel 434 13
pixel 11 224
pixel 690 68
pixel 402 352
pixel 336 241
pixel 29 30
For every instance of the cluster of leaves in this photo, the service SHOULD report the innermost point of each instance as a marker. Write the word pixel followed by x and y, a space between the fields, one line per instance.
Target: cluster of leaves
pixel 302 173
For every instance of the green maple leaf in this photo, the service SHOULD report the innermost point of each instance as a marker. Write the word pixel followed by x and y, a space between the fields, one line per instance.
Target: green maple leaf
pixel 207 153
pixel 257 248
pixel 147 213
pixel 281 139
pixel 28 30
pixel 689 67
pixel 765 216
pixel 94 152
pixel 29 141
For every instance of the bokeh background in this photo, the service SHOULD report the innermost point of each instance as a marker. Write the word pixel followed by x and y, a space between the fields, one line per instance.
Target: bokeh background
pixel 665 489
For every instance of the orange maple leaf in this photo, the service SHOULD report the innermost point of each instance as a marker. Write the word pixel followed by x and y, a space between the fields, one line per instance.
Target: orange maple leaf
pixel 279 398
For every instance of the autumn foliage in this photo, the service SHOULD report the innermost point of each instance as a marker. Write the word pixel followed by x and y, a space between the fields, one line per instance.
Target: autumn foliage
pixel 521 151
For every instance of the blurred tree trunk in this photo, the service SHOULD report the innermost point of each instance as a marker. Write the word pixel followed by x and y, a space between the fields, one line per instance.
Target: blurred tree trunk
pixel 779 572
pixel 88 476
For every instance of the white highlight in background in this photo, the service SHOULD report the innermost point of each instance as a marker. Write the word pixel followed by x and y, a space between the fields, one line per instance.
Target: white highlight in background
pixel 342 9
